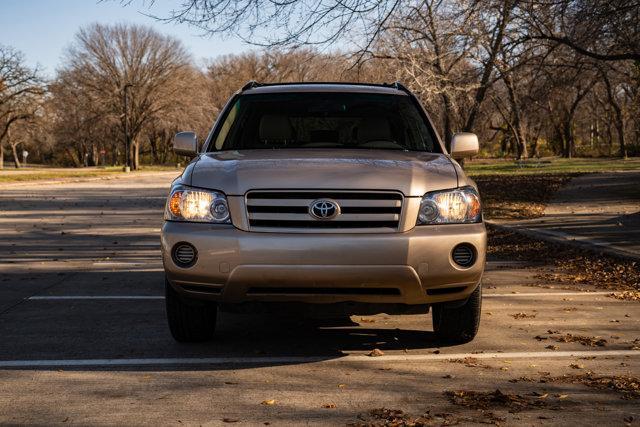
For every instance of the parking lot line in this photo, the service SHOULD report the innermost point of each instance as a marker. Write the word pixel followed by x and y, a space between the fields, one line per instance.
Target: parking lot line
pixel 545 294
pixel 154 297
pixel 309 359
pixel 112 263
pixel 90 297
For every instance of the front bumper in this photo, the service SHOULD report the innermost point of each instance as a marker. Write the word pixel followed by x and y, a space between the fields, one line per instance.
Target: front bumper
pixel 414 267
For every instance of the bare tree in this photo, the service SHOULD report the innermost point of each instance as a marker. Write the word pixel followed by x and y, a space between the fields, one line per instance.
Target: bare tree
pixel 431 52
pixel 291 23
pixel 20 92
pixel 112 63
pixel 191 109
pixel 605 30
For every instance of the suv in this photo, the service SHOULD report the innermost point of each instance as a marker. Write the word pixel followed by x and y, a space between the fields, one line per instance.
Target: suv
pixel 324 193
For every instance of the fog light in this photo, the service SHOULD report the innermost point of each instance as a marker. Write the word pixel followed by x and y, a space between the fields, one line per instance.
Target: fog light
pixel 464 255
pixel 184 254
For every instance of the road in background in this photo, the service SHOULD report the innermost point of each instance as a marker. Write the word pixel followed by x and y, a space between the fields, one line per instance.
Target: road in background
pixel 85 340
pixel 598 210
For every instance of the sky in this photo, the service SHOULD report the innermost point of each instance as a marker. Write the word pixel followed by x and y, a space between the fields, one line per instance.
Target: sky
pixel 42 29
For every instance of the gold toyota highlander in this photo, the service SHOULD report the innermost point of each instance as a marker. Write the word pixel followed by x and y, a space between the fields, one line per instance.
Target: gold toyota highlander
pixel 333 194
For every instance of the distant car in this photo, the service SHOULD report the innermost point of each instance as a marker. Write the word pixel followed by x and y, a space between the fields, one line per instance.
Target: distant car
pixel 324 193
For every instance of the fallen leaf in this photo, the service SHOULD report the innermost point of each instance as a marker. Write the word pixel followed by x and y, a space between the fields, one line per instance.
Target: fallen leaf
pixel 269 402
pixel 375 353
pixel 522 316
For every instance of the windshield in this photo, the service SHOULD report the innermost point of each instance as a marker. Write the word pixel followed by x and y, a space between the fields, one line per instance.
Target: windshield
pixel 324 120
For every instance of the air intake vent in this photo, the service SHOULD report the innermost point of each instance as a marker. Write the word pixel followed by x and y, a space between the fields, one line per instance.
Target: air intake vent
pixel 464 255
pixel 184 254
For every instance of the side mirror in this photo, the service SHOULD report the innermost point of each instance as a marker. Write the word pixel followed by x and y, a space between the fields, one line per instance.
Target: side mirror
pixel 185 144
pixel 464 144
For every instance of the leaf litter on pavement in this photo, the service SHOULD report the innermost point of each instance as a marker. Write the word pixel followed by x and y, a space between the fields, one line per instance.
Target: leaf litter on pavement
pixel 568 266
pixel 518 196
pixel 569 338
pixel 398 418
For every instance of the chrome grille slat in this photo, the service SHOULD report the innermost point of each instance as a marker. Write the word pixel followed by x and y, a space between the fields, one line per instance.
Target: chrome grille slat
pixel 305 217
pixel 288 211
pixel 343 203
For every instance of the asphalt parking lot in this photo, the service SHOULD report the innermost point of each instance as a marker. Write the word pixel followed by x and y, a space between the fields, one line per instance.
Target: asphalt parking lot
pixel 84 338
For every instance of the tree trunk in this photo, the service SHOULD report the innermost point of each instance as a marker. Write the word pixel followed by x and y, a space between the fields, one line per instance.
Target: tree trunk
pixel 567 139
pixel 620 130
pixel 448 132
pixel 619 119
pixel 1 155
pixel 610 136
pixel 507 7
pixel 95 158
pixel 74 158
pixel 16 159
pixel 134 155
pixel 153 143
pixel 518 126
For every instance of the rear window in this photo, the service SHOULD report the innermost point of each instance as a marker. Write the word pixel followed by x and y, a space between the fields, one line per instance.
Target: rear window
pixel 324 120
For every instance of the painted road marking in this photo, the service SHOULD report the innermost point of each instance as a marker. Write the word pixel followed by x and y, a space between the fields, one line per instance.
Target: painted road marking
pixel 310 359
pixel 90 297
pixel 138 297
pixel 546 294
pixel 111 263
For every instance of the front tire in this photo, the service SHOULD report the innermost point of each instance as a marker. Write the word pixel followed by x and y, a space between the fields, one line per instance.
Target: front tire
pixel 190 320
pixel 458 325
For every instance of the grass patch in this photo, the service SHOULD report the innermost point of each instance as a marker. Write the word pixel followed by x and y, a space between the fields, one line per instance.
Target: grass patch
pixel 482 167
pixel 43 174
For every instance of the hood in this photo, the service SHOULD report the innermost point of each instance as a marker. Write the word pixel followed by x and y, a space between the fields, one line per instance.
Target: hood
pixel 236 172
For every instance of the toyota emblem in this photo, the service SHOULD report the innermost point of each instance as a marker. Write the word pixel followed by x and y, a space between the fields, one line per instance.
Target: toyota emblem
pixel 324 209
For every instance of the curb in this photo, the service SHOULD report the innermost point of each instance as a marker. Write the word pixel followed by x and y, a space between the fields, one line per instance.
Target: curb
pixel 597 247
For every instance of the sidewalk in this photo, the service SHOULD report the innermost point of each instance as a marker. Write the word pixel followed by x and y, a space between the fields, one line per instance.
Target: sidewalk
pixel 598 211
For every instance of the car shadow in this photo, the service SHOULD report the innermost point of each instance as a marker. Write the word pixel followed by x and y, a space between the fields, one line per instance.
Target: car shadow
pixel 90 329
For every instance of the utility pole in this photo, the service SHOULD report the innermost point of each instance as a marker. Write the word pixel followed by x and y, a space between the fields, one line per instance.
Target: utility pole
pixel 127 166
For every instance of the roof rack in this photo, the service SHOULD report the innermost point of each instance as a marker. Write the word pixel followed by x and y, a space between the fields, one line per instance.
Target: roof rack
pixel 397 85
pixel 250 84
pixel 253 84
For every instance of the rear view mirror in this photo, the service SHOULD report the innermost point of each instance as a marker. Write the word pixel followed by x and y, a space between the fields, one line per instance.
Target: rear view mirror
pixel 185 144
pixel 464 145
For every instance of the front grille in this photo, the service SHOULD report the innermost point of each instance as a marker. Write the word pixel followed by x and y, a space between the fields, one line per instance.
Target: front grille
pixel 278 210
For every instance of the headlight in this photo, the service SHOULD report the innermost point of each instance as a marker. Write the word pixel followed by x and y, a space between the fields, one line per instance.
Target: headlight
pixel 189 204
pixel 459 206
